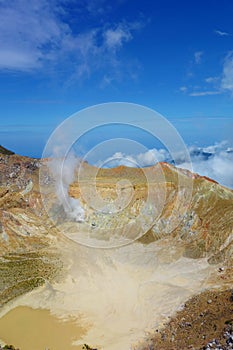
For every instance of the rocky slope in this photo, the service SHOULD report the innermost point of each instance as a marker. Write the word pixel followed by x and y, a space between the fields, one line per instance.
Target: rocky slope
pixel 192 211
pixel 189 216
pixel 26 255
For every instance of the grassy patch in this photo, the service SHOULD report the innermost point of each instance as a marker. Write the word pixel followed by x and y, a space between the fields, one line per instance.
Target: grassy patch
pixel 22 273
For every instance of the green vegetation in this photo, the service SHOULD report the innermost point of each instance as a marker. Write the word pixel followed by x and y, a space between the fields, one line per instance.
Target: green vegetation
pixel 22 273
pixel 230 322
pixel 3 150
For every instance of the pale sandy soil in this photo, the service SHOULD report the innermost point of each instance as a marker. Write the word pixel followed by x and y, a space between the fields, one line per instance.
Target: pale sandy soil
pixel 117 296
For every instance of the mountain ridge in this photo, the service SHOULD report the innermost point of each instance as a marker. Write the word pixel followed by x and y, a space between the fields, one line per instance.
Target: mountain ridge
pixel 195 221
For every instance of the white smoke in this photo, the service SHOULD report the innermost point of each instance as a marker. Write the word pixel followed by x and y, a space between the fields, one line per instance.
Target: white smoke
pixel 63 171
pixel 214 161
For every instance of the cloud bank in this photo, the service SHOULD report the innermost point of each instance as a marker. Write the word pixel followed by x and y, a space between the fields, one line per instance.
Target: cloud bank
pixel 214 161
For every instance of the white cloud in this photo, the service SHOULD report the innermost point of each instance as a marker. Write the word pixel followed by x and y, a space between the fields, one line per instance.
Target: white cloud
pixel 214 161
pixel 29 33
pixel 227 77
pixel 18 59
pixel 221 84
pixel 152 156
pixel 205 93
pixel 147 158
pixel 217 85
pixel 38 35
pixel 211 80
pixel 198 56
pixel 183 88
pixel 220 33
pixel 217 164
pixel 96 7
pixel 114 38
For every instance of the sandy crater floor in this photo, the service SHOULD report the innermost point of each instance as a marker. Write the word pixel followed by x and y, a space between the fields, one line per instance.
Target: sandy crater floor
pixel 110 298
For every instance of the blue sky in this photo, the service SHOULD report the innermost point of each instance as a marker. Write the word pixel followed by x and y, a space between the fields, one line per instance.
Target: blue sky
pixel 59 56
